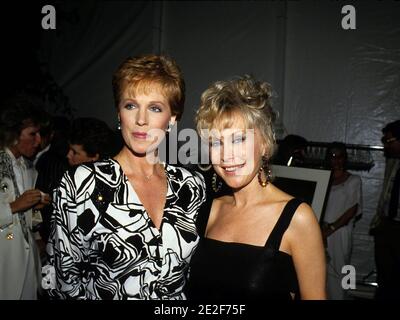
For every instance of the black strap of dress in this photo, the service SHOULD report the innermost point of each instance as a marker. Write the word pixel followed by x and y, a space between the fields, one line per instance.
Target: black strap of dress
pixel 275 238
pixel 204 214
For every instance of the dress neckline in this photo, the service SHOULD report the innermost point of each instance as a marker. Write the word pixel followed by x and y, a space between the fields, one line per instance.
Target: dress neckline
pixel 132 189
pixel 274 239
pixel 241 244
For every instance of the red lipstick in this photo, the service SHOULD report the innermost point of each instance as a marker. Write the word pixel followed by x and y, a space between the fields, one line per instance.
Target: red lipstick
pixel 139 135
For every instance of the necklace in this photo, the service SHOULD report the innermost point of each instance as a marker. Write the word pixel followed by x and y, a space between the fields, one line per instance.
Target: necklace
pixel 147 177
pixel 150 175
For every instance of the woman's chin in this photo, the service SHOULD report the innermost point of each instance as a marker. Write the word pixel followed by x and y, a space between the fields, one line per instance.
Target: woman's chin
pixel 235 182
pixel 143 152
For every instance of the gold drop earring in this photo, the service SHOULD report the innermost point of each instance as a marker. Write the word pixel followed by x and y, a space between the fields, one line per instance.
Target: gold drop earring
pixel 264 168
pixel 216 187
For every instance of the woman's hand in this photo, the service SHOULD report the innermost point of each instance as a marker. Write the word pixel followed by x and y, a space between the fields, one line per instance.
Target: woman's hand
pixel 27 200
pixel 45 200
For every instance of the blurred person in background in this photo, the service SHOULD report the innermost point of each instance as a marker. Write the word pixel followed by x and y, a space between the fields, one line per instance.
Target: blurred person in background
pixel 90 139
pixel 343 205
pixel 291 151
pixel 20 123
pixel 385 226
pixel 51 166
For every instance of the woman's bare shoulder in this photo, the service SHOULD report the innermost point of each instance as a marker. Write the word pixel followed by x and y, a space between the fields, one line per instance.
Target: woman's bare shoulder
pixel 304 219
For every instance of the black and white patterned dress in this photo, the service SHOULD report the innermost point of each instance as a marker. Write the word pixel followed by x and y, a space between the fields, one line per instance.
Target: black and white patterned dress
pixel 103 244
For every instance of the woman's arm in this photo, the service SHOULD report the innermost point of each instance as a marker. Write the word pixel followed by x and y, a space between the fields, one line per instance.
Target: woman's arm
pixel 27 200
pixel 353 202
pixel 343 220
pixel 65 249
pixel 308 253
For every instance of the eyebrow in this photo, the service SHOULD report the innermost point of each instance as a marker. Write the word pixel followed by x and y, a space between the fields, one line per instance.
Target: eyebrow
pixel 160 102
pixel 134 100
pixel 233 134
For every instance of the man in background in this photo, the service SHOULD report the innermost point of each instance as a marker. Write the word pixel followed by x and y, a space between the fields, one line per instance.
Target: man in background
pixel 386 225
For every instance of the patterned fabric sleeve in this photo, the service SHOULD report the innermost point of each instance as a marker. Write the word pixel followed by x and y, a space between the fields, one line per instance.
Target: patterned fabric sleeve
pixel 201 196
pixel 6 197
pixel 66 255
pixel 6 190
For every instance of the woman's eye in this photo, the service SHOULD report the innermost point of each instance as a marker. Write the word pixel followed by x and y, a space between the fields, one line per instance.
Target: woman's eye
pixel 239 139
pixel 215 143
pixel 155 108
pixel 130 106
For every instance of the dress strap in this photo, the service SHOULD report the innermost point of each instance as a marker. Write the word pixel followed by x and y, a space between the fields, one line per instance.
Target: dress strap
pixel 275 238
pixel 202 217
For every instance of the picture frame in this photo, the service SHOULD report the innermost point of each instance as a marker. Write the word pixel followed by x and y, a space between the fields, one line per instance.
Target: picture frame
pixel 310 185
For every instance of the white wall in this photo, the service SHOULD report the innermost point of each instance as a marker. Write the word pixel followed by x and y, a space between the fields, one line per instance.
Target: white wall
pixel 218 40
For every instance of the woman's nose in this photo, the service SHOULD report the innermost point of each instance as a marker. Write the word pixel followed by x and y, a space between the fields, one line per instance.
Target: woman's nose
pixel 227 153
pixel 141 117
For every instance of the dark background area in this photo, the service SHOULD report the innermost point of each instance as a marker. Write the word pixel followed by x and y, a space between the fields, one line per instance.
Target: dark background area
pixel 20 36
pixel 301 189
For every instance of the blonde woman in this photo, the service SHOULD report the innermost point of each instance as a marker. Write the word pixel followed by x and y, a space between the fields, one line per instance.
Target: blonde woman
pixel 259 242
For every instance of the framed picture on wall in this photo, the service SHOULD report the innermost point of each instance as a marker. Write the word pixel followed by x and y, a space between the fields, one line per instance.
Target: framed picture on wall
pixel 310 185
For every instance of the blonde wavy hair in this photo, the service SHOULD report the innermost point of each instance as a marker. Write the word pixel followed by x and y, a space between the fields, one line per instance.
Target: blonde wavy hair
pixel 243 96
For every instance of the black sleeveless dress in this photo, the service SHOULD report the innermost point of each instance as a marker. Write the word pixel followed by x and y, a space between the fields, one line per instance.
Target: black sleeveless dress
pixel 236 271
